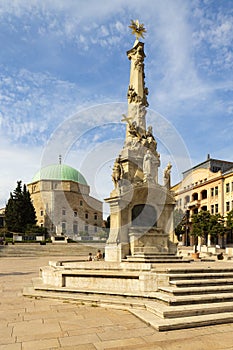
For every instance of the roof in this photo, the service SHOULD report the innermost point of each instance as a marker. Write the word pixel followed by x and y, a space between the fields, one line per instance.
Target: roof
pixel 60 172
pixel 212 164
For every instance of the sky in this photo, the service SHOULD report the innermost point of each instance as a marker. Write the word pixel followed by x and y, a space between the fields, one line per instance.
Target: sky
pixel 64 76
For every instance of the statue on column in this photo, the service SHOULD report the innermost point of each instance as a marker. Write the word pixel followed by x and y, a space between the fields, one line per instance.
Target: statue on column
pixel 148 167
pixel 167 176
pixel 150 141
pixel 117 172
pixel 151 163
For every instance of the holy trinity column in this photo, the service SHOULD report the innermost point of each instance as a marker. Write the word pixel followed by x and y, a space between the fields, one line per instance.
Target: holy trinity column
pixel 140 208
pixel 139 159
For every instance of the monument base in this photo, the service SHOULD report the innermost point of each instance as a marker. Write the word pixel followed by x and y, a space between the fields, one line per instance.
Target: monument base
pixel 153 241
pixel 171 296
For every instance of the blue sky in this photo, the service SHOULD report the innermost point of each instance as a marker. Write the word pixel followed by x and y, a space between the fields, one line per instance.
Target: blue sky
pixel 64 76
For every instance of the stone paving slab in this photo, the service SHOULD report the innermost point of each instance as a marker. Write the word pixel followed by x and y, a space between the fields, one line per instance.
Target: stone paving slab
pixel 28 323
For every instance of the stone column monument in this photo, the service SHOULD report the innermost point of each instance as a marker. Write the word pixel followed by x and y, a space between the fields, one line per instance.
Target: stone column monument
pixel 141 210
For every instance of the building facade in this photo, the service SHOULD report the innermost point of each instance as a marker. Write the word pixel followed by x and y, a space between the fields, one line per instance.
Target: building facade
pixel 207 186
pixel 61 198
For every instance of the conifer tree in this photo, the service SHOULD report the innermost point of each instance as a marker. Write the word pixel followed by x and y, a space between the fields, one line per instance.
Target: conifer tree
pixel 19 213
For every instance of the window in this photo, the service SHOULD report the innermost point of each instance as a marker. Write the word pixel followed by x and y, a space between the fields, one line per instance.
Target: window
pixel 216 169
pixel 63 226
pixel 55 185
pixel 212 192
pixel 41 225
pixel 86 228
pixel 81 203
pixel 204 194
pixel 216 191
pixel 86 215
pixel 95 229
pixel 75 213
pixel 227 206
pixel 212 209
pixel 63 212
pixel 227 187
pixel 232 186
pixel 75 228
pixel 95 217
pixel 195 211
pixel 195 196
pixel 216 208
pixel 41 213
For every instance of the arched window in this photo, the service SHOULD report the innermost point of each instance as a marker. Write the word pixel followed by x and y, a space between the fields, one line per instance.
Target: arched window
pixel 195 196
pixel 144 215
pixel 204 194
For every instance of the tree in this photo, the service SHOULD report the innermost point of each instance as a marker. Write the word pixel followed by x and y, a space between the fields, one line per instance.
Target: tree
pixel 229 220
pixel 201 223
pixel 205 224
pixel 20 213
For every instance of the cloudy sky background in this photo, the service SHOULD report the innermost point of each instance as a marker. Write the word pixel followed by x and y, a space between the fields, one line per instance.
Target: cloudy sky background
pixel 64 76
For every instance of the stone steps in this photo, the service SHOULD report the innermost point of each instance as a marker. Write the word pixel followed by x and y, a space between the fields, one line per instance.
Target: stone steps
pixel 160 316
pixel 193 299
pixel 181 323
pixel 183 297
pixel 198 282
pixel 168 311
pixel 156 258
pixel 196 276
pixel 198 269
pixel 197 290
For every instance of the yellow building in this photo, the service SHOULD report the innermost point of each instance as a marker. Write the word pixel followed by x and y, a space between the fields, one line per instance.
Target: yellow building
pixel 61 198
pixel 206 186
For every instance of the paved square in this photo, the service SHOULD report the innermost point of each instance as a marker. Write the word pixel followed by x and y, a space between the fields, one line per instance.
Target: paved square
pixel 28 323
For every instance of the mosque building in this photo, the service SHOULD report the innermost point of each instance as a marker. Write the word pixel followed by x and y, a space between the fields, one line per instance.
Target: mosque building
pixel 62 201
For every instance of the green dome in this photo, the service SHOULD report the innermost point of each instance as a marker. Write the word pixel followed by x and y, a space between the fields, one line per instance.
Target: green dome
pixel 60 172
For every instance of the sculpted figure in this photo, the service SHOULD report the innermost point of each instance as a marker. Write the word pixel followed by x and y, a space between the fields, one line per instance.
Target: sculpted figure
pixel 152 144
pixel 131 94
pixel 133 129
pixel 147 166
pixel 167 176
pixel 117 172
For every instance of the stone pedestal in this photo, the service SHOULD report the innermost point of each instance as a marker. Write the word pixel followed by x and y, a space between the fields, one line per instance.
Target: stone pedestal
pixel 141 222
pixel 154 241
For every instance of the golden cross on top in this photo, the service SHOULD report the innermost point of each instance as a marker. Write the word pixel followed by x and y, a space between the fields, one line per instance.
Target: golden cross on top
pixel 137 29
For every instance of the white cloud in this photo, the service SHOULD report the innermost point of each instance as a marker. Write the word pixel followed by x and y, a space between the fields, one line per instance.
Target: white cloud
pixel 189 57
pixel 33 103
